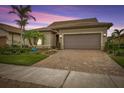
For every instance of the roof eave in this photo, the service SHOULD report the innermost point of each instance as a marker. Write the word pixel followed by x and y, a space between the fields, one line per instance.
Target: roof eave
pixel 108 25
pixel 10 31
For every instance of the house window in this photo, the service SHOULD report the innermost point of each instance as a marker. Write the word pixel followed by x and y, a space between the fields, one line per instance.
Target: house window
pixel 39 42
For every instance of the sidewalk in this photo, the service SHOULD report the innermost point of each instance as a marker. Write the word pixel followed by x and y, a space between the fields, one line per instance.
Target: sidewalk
pixel 59 78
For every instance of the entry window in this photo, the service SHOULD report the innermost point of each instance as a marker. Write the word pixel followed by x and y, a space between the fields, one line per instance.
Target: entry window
pixel 40 42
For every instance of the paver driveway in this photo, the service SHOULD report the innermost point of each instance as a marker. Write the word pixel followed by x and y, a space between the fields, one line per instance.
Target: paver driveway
pixel 93 61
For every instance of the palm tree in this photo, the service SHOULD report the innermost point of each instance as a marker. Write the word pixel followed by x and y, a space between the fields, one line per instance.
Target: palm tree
pixel 117 33
pixel 23 23
pixel 23 13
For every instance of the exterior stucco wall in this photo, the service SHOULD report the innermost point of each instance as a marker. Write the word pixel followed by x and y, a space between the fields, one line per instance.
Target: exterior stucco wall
pixel 53 40
pixel 9 39
pixel 48 40
pixel 101 30
pixel 3 33
pixel 16 37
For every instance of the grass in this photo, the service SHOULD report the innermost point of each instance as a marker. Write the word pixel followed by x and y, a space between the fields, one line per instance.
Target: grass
pixel 121 50
pixel 119 60
pixel 22 59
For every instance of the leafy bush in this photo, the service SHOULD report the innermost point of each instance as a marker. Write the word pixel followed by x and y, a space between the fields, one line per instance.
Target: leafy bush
pixel 109 47
pixel 25 46
pixel 15 46
pixel 25 50
pixel 112 48
pixel 121 46
pixel 14 51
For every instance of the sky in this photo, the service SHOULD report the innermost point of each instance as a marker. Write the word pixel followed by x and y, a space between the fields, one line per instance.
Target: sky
pixel 46 14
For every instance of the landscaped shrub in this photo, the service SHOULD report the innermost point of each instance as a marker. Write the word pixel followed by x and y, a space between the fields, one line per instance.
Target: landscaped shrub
pixel 15 46
pixel 14 51
pixel 25 50
pixel 25 46
pixel 4 50
pixel 121 46
pixel 112 48
pixel 109 47
pixel 118 51
pixel 115 49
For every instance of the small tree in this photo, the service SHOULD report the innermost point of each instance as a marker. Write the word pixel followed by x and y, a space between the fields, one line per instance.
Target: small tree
pixel 27 35
pixel 33 37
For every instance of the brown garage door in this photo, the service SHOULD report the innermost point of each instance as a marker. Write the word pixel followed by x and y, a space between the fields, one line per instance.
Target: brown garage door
pixel 82 41
pixel 2 41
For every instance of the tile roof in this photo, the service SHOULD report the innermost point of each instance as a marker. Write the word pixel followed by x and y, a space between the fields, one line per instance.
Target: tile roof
pixel 42 29
pixel 90 22
pixel 9 28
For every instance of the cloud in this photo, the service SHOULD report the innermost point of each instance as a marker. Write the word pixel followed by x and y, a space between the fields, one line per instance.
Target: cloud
pixel 49 18
pixel 5 16
pixel 28 27
pixel 41 17
pixel 113 28
pixel 4 9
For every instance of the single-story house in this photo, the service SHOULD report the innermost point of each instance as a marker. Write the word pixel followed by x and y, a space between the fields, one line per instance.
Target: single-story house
pixel 75 34
pixel 72 34
pixel 9 35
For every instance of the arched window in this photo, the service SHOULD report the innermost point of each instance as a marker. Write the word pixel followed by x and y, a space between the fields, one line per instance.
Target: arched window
pixel 39 42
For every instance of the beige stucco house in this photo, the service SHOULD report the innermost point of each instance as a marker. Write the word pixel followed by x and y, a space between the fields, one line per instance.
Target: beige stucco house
pixel 9 35
pixel 75 34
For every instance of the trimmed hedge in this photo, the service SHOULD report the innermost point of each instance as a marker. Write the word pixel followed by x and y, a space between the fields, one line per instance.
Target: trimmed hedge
pixel 14 51
pixel 114 48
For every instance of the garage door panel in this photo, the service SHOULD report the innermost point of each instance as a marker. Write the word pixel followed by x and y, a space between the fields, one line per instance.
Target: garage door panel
pixel 82 41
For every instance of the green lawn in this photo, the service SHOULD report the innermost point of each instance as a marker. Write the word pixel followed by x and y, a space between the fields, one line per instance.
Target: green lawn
pixel 22 59
pixel 119 60
pixel 121 50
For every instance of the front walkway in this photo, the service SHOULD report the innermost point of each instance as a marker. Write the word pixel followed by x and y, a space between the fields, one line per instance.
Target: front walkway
pixel 59 78
pixel 89 61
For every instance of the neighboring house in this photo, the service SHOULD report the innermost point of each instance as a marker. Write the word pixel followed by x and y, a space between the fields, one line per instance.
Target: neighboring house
pixel 75 34
pixel 9 35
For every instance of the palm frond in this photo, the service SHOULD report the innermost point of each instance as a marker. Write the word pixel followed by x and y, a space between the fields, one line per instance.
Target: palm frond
pixel 12 12
pixel 32 17
pixel 113 34
pixel 23 13
pixel 13 7
pixel 28 8
pixel 117 32
pixel 16 8
pixel 121 30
